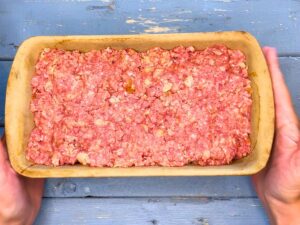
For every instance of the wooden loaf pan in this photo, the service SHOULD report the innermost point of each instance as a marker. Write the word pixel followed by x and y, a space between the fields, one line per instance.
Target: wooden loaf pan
pixel 19 119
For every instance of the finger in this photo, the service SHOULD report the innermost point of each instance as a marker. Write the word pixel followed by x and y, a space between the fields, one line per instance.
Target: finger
pixel 285 113
pixel 35 188
pixel 257 180
pixel 3 151
pixel 35 183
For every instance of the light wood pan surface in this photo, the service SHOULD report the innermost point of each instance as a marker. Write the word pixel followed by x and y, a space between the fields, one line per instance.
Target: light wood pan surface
pixel 19 119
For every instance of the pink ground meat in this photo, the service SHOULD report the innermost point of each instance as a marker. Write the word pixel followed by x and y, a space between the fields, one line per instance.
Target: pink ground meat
pixel 122 108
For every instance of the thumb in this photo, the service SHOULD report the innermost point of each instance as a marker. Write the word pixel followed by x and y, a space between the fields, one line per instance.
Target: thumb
pixel 3 151
pixel 285 112
pixel 287 139
pixel 287 127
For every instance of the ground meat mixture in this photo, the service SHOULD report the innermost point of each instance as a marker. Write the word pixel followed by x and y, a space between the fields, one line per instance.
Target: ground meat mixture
pixel 122 108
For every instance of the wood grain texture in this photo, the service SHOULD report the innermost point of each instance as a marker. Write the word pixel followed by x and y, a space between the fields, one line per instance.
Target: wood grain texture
pixel 275 23
pixel 151 211
pixel 151 187
pixel 290 66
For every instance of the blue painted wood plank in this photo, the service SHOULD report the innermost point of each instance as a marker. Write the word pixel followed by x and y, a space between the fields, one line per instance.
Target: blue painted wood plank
pixel 151 187
pixel 290 67
pixel 275 23
pixel 4 71
pixel 151 211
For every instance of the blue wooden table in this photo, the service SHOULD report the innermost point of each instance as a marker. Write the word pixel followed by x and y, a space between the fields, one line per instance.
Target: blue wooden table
pixel 161 200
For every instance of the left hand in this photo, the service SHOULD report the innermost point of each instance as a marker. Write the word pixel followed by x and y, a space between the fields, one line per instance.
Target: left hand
pixel 20 196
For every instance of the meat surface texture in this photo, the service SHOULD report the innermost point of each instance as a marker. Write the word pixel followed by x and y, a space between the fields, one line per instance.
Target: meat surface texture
pixel 123 108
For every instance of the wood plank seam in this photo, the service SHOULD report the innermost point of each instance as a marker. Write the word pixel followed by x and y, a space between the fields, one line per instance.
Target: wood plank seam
pixel 153 198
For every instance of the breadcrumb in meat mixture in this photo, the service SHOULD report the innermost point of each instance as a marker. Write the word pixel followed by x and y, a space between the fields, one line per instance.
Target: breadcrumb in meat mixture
pixel 122 108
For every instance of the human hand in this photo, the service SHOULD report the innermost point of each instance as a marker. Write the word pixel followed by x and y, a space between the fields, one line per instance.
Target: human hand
pixel 20 196
pixel 278 185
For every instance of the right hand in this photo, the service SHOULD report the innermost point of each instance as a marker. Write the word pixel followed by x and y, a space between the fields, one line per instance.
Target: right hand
pixel 278 185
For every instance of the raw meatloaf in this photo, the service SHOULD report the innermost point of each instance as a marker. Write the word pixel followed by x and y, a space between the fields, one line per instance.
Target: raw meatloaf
pixel 122 108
